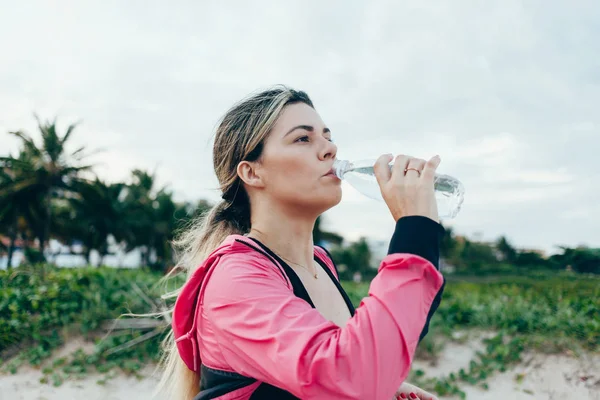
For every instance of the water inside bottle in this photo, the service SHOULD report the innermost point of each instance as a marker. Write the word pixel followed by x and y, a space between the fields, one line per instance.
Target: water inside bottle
pixel 448 190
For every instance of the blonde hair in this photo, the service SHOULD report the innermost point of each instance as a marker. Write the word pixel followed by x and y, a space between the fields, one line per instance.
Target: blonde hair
pixel 239 137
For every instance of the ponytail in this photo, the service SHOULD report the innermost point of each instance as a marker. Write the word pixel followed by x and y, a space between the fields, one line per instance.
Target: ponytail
pixel 240 137
pixel 196 243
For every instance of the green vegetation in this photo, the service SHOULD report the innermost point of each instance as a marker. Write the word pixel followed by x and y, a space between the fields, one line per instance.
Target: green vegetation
pixel 527 300
pixel 542 312
pixel 42 306
pixel 48 192
pixel 553 312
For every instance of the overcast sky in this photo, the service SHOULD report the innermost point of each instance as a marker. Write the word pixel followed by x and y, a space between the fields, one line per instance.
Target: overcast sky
pixel 508 93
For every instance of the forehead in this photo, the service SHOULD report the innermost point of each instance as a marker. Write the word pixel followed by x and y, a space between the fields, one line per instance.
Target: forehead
pixel 294 115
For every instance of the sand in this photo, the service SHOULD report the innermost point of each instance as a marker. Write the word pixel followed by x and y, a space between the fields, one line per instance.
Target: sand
pixel 25 385
pixel 541 377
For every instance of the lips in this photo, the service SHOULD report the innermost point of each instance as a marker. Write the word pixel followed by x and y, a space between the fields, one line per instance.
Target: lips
pixel 331 173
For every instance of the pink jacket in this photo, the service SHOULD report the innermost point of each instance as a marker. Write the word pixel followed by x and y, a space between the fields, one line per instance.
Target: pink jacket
pixel 238 314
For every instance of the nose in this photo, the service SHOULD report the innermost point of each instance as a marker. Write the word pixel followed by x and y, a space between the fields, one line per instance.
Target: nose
pixel 328 150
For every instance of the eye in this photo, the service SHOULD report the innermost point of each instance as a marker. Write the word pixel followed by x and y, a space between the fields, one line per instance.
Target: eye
pixel 304 138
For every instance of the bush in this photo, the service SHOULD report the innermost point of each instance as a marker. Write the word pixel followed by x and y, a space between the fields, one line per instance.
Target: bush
pixel 546 310
pixel 36 300
pixel 560 306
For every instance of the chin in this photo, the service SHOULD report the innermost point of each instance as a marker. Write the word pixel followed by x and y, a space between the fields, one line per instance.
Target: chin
pixel 330 199
pixel 315 201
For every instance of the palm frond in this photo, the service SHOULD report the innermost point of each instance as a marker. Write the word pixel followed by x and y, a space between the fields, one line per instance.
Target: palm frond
pixel 78 154
pixel 70 130
pixel 73 170
pixel 21 135
pixel 15 163
pixel 18 186
pixel 29 145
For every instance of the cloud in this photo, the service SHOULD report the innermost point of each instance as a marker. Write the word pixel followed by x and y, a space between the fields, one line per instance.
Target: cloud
pixel 506 94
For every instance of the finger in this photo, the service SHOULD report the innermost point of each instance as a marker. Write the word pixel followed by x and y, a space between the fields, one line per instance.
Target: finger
pixel 417 163
pixel 381 169
pixel 430 167
pixel 423 395
pixel 400 165
pixel 411 175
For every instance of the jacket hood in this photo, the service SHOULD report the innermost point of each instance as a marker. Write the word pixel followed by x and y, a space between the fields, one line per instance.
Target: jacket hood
pixel 185 313
pixel 184 320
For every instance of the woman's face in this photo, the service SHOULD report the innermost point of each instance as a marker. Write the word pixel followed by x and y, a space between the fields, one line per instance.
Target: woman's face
pixel 295 165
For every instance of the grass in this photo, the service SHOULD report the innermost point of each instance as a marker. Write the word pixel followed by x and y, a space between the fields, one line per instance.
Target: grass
pixel 564 307
pixel 542 312
pixel 550 312
pixel 40 306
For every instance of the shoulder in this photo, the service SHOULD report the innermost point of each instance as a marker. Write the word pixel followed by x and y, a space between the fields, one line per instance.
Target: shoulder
pixel 246 263
pixel 241 273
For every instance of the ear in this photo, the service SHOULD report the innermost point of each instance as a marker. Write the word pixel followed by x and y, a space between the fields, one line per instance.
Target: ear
pixel 249 173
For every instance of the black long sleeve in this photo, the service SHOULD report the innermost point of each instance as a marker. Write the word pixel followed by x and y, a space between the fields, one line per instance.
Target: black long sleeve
pixel 421 236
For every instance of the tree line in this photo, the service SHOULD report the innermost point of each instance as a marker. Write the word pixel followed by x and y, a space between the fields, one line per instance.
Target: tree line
pixel 48 192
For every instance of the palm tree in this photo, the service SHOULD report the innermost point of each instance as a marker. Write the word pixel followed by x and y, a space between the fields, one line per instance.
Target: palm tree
pixel 163 227
pixel 41 173
pixel 95 211
pixel 8 224
pixel 8 217
pixel 139 205
pixel 18 213
pixel 153 218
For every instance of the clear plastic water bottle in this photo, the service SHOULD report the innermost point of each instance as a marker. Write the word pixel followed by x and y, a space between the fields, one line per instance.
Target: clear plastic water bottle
pixel 449 191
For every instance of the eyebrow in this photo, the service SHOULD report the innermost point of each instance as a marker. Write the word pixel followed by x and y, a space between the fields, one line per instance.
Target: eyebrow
pixel 306 128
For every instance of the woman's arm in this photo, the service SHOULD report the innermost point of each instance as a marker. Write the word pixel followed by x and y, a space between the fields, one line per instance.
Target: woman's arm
pixel 267 333
pixel 414 234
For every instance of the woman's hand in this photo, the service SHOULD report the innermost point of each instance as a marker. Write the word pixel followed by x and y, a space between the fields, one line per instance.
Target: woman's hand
pixel 408 188
pixel 408 391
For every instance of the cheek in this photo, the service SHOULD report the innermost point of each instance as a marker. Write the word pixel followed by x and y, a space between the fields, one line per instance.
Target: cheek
pixel 291 172
pixel 301 184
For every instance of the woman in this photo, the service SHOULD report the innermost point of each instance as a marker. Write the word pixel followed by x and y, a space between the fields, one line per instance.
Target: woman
pixel 262 315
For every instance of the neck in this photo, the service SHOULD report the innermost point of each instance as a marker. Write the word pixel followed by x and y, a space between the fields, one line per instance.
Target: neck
pixel 286 232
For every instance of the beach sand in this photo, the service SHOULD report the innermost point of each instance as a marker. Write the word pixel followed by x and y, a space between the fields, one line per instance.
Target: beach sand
pixel 537 377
